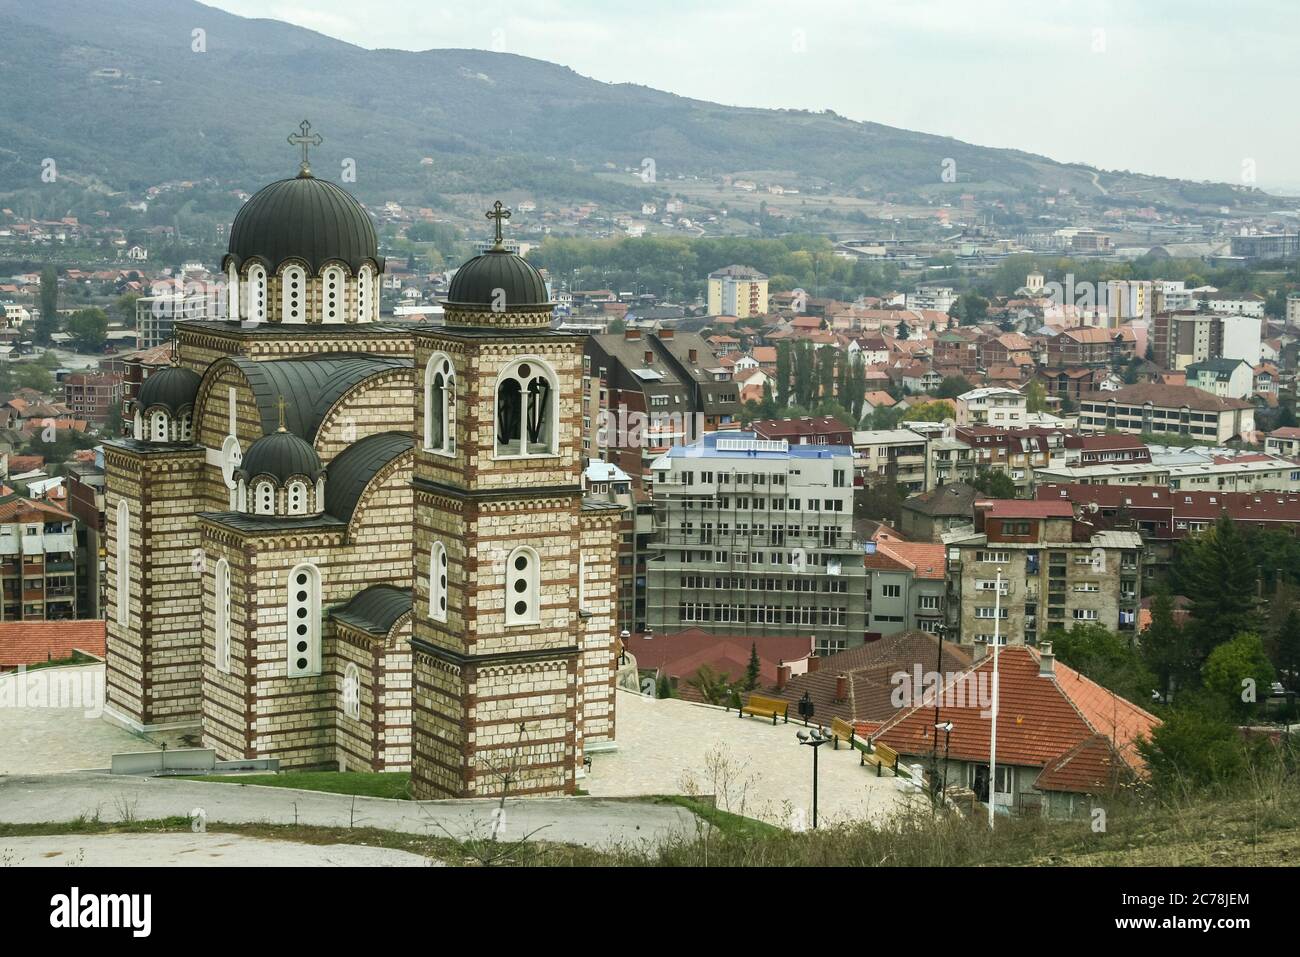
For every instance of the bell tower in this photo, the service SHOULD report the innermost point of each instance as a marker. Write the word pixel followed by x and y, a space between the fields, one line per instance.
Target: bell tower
pixel 514 579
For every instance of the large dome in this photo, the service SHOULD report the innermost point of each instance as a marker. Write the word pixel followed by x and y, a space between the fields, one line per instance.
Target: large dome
pixel 303 218
pixel 172 388
pixel 476 283
pixel 280 455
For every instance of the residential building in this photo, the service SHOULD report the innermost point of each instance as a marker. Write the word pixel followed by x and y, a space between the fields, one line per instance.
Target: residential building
pixel 1284 442
pixel 1018 453
pixel 929 516
pixel 807 430
pixel 1169 410
pixel 136 368
pixel 755 537
pixel 95 396
pixel 737 291
pixel 897 455
pixel 1228 378
pixel 994 405
pixel 38 561
pixel 605 483
pixel 907 585
pixel 155 316
pixel 1105 449
pixel 1056 571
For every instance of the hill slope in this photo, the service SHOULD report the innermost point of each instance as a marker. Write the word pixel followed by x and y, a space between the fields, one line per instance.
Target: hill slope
pixel 113 90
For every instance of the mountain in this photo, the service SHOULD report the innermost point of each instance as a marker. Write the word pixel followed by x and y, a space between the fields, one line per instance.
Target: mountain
pixel 116 93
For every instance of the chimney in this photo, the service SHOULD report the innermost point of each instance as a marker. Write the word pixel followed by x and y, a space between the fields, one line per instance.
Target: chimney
pixel 631 334
pixel 666 333
pixel 1046 660
pixel 813 663
pixel 693 355
pixel 841 687
pixel 782 676
pixel 980 649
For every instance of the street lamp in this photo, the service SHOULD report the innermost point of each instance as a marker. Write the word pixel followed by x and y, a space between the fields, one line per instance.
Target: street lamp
pixel 939 631
pixel 815 740
pixel 946 728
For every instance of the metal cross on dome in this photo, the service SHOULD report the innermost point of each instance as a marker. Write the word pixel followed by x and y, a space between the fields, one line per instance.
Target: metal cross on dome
pixel 500 214
pixel 305 138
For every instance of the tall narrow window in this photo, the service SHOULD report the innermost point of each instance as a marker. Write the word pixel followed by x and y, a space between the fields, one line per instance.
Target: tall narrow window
pixel 232 292
pixel 332 294
pixel 123 562
pixel 365 293
pixel 297 496
pixel 438 582
pixel 256 311
pixel 264 499
pixel 303 621
pixel 525 408
pixel 293 294
pixel 523 596
pixel 158 426
pixel 440 405
pixel 352 691
pixel 221 600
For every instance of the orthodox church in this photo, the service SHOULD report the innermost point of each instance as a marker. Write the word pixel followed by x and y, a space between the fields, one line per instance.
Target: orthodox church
pixel 339 541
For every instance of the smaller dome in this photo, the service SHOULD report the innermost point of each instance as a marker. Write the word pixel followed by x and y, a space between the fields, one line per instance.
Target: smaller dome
pixel 476 283
pixel 280 455
pixel 173 388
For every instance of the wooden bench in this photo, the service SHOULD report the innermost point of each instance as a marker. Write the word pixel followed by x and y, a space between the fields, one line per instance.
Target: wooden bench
pixel 882 756
pixel 841 730
pixel 763 707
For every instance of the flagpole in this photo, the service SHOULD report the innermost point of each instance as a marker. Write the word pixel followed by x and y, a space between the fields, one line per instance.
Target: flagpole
pixel 993 734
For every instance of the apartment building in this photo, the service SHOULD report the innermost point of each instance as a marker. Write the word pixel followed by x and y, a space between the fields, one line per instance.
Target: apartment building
pixel 38 561
pixel 1017 452
pixel 807 430
pixel 993 405
pixel 1190 470
pixel 755 537
pixel 898 455
pixel 95 396
pixel 1056 571
pixel 1227 378
pixel 1169 410
pixel 907 585
pixel 737 291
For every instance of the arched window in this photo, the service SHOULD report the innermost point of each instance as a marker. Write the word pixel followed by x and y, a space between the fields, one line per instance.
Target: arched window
pixel 123 562
pixel 523 596
pixel 293 295
pixel 232 292
pixel 138 429
pixel 264 499
pixel 221 597
pixel 440 405
pixel 297 494
pixel 185 429
pixel 438 582
pixel 365 293
pixel 526 397
pixel 231 457
pixel 256 311
pixel 158 425
pixel 303 621
pixel 332 294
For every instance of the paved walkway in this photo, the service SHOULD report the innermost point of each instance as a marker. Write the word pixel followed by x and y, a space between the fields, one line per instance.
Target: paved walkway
pixel 672 746
pixel 193 850
pixel 588 821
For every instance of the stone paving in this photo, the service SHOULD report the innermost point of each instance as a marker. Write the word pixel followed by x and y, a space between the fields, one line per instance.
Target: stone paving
pixel 672 746
pixel 51 719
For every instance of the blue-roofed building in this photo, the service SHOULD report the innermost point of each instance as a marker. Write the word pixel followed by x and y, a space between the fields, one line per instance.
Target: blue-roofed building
pixel 755 537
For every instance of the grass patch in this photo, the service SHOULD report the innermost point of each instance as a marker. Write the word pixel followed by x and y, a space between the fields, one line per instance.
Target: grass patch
pixel 727 823
pixel 389 784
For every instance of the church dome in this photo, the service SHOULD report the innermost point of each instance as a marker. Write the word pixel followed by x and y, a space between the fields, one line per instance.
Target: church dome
pixel 302 218
pixel 476 283
pixel 280 455
pixel 173 388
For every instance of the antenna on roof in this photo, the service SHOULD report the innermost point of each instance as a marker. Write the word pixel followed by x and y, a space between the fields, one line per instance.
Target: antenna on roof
pixel 281 428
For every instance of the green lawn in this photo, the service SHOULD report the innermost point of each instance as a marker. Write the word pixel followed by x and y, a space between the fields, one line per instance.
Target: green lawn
pixel 393 784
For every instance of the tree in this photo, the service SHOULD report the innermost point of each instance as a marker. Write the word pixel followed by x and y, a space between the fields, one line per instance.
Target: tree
pixel 1286 650
pixel 1192 748
pixel 1215 572
pixel 89 329
pixel 32 375
pixel 1238 674
pixel 784 373
pixel 48 324
pixel 903 331
pixel 953 386
pixel 1162 645
pixel 663 687
pixel 753 671
pixel 995 483
pixel 125 306
pixel 934 411
pixel 617 325
pixel 1106 658
pixel 1036 397
pixel 713 687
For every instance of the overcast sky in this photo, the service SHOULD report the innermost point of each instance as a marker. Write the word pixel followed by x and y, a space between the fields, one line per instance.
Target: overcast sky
pixel 1201 89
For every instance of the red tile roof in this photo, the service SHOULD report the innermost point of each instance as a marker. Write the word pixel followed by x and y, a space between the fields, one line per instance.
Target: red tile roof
pixel 32 642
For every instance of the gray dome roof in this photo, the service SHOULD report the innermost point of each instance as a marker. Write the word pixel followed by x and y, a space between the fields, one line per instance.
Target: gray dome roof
pixel 280 455
pixel 303 218
pixel 476 282
pixel 174 388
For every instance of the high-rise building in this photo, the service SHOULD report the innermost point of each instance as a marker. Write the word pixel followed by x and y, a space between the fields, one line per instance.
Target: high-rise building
pixel 737 291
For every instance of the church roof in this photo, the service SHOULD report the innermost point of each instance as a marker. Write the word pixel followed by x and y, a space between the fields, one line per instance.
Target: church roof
pixel 309 387
pixel 375 609
pixel 303 218
pixel 172 388
pixel 353 468
pixel 280 455
pixel 477 282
